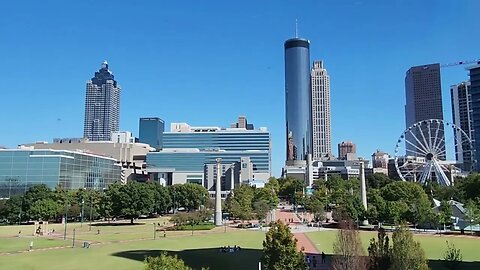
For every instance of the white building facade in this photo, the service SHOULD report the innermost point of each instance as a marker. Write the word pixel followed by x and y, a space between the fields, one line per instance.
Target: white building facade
pixel 321 127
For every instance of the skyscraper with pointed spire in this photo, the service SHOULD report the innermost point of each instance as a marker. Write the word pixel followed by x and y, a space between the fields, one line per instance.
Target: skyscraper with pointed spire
pixel 102 106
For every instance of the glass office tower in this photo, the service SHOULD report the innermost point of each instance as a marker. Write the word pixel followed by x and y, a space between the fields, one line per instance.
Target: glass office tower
pixel 475 92
pixel 151 131
pixel 102 106
pixel 21 169
pixel 298 99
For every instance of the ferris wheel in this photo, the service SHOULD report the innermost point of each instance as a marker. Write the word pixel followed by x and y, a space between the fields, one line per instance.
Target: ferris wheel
pixel 421 152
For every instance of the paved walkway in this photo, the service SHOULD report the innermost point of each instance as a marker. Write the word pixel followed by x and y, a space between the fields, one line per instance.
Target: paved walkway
pixel 303 242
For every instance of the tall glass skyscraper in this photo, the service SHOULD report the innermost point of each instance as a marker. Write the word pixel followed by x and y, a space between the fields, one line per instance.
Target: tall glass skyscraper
pixel 423 93
pixel 102 106
pixel 298 99
pixel 151 131
pixel 475 94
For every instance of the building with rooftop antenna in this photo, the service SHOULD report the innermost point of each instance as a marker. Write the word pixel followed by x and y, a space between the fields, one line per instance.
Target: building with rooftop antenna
pixel 102 106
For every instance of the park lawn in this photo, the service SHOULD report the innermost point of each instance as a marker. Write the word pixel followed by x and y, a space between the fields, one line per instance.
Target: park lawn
pixel 15 244
pixel 197 250
pixel 434 245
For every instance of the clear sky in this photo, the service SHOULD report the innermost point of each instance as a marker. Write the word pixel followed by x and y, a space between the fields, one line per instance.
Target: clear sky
pixel 206 62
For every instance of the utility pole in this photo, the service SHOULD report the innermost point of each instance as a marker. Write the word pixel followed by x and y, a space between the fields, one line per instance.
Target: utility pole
pixel 91 211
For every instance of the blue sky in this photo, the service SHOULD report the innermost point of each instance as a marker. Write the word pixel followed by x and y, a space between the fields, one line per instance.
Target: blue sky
pixel 206 62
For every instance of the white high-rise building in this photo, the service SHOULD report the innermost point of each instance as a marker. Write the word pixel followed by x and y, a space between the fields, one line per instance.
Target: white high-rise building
pixel 321 128
pixel 102 106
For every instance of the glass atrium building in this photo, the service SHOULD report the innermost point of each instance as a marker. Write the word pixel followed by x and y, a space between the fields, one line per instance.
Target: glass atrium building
pixel 22 168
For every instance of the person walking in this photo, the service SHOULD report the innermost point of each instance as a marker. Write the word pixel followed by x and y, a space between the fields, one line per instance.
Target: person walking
pixel 323 257
pixel 308 261
pixel 314 262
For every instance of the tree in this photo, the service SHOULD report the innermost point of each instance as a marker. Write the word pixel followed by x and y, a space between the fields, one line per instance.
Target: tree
pixel 131 200
pixel 188 195
pixel 379 251
pixel 419 210
pixel 239 202
pixel 273 184
pixel 348 250
pixel 315 204
pixel 165 262
pixel 162 198
pixel 472 214
pixel 289 186
pixel 406 254
pixel 35 193
pixel 377 180
pixel 267 195
pixel 12 209
pixel 261 209
pixel 280 249
pixel 445 214
pixel 44 210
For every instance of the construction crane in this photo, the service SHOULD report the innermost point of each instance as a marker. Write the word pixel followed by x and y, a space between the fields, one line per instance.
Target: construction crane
pixel 461 63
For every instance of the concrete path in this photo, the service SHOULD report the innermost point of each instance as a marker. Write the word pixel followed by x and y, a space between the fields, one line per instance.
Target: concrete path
pixel 303 242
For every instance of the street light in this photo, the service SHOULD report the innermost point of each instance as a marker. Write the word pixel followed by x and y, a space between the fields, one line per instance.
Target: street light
pixel 91 211
pixel 66 218
pixel 83 206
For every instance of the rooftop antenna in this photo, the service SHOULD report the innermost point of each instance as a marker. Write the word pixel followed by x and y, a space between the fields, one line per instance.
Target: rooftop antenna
pixel 296 28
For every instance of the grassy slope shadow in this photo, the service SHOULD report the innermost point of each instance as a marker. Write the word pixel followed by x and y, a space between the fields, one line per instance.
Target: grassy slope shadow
pixel 209 257
pixel 438 265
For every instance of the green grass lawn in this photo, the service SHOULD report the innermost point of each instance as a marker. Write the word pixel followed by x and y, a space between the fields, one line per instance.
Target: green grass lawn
pixel 120 247
pixel 433 245
pixel 197 250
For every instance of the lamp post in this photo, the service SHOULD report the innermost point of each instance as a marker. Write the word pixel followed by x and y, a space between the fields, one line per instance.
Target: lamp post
pixel 91 211
pixel 66 218
pixel 81 215
pixel 73 241
pixel 154 231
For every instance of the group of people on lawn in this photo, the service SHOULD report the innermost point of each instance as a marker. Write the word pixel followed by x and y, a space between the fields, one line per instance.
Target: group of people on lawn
pixel 229 249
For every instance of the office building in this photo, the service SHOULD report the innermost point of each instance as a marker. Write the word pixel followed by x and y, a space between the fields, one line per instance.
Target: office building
pixel 380 162
pixel 297 101
pixel 102 106
pixel 151 131
pixel 423 101
pixel 474 73
pixel 186 149
pixel 242 123
pixel 321 129
pixel 129 155
pixel 462 118
pixel 347 151
pixel 344 168
pixel 71 170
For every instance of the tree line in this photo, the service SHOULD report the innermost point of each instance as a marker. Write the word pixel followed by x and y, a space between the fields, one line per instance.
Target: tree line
pixel 389 201
pixel 128 201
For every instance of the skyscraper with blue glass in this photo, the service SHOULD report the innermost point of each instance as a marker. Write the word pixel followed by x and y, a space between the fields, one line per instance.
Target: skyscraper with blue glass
pixel 298 100
pixel 151 131
pixel 187 149
pixel 102 106
pixel 475 99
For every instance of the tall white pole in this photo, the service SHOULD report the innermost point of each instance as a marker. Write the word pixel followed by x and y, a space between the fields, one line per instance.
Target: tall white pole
pixel 363 185
pixel 218 194
pixel 363 188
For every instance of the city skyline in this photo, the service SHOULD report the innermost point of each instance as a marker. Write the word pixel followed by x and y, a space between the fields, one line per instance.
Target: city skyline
pixel 367 58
